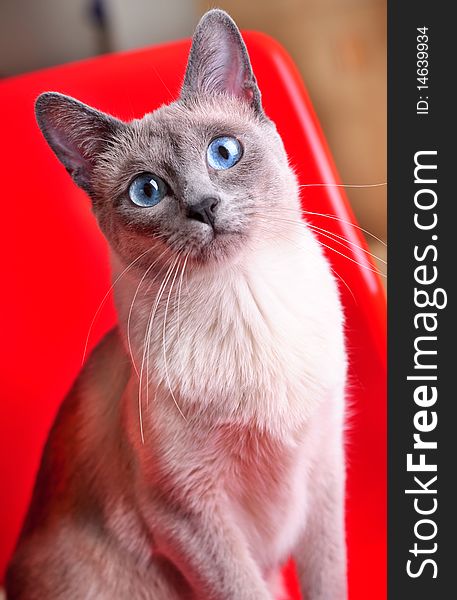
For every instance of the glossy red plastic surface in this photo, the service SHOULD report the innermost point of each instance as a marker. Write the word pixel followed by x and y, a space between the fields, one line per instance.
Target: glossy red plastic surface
pixel 55 273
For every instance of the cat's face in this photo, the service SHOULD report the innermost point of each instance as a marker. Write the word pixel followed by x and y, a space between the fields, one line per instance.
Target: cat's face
pixel 198 177
pixel 195 178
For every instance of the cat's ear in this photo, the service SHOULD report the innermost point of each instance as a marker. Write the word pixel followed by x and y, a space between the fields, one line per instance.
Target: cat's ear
pixel 219 62
pixel 76 133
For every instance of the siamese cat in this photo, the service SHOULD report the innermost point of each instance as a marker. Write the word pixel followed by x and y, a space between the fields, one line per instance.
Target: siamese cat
pixel 202 444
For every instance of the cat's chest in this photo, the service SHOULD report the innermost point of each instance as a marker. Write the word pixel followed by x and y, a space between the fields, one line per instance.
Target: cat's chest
pixel 261 342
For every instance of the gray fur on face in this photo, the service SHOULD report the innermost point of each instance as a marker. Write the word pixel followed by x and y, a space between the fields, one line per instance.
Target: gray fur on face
pixel 219 97
pixel 172 143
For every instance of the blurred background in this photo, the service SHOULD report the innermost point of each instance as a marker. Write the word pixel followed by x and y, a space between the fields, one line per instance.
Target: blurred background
pixel 338 45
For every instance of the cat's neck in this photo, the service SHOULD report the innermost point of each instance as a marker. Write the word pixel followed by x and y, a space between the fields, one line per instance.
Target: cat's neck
pixel 228 339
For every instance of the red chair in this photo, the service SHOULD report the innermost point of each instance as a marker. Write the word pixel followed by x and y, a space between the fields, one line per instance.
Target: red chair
pixel 55 273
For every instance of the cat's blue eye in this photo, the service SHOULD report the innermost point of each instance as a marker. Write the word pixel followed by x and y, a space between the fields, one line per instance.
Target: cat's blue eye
pixel 224 152
pixel 147 190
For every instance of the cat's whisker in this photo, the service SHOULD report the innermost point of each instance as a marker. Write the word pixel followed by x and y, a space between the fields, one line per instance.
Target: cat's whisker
pixel 336 218
pixel 105 298
pixel 146 345
pixel 147 337
pixel 155 400
pixel 301 213
pixel 334 237
pixel 345 185
pixel 164 342
pixel 172 97
pixel 158 297
pixel 141 381
pixel 145 349
pixel 179 294
pixel 170 248
pixel 344 282
pixel 290 241
pixel 129 340
pixel 331 235
pixel 175 264
pixel 129 343
pixel 360 264
pixel 326 233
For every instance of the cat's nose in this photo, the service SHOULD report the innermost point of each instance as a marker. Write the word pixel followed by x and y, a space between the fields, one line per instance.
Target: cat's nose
pixel 204 210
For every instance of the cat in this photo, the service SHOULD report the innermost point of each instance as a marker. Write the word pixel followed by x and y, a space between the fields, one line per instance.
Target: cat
pixel 202 443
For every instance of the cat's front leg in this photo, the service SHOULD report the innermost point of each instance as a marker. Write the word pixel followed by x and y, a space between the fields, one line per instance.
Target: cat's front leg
pixel 320 554
pixel 209 551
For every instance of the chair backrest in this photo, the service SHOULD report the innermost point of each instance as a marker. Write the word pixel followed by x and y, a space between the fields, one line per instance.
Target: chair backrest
pixel 55 273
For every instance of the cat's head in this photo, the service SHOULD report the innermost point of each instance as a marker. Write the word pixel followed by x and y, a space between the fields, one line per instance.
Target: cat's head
pixel 196 177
